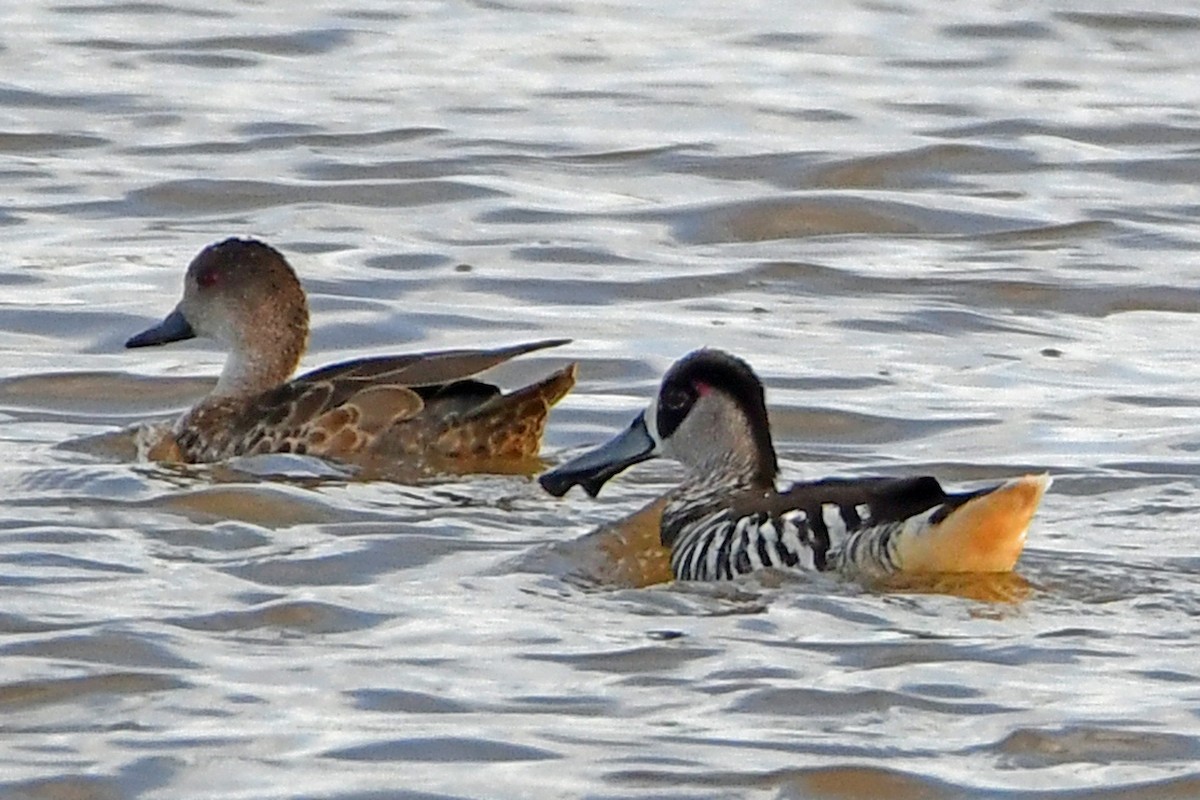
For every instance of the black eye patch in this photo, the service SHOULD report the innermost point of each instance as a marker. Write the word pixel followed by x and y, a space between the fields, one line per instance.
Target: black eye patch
pixel 674 403
pixel 675 399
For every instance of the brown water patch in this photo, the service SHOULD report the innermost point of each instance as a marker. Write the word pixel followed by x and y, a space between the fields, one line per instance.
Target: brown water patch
pixel 1034 748
pixel 27 694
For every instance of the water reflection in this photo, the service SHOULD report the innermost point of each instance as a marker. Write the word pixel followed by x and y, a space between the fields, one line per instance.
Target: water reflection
pixel 953 240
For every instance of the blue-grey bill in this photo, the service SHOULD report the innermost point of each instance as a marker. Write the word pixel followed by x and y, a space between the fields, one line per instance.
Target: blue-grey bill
pixel 592 469
pixel 175 328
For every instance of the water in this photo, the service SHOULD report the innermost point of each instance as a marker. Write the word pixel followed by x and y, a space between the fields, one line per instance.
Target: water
pixel 952 240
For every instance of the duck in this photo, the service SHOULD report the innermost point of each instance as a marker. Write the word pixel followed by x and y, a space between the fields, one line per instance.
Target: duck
pixel 731 516
pixel 425 409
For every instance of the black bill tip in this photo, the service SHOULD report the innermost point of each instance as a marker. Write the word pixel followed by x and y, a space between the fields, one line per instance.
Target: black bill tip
pixel 593 469
pixel 557 482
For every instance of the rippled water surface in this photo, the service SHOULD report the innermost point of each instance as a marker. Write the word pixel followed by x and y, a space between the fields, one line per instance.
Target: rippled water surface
pixel 953 238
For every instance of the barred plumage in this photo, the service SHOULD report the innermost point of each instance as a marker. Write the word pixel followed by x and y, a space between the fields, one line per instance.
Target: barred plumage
pixel 415 410
pixel 742 545
pixel 728 518
pixel 721 546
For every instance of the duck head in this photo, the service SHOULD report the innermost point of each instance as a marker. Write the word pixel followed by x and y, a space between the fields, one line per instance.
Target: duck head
pixel 709 414
pixel 244 294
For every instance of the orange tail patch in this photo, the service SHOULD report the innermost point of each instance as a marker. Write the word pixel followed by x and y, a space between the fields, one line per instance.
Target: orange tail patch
pixel 985 534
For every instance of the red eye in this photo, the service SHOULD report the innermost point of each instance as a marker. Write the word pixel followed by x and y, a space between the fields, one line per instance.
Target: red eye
pixel 207 278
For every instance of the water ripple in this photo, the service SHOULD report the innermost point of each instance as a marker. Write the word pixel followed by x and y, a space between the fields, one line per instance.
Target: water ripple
pixel 952 239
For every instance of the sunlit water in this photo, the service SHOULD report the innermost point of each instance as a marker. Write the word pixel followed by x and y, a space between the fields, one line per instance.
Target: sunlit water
pixel 951 241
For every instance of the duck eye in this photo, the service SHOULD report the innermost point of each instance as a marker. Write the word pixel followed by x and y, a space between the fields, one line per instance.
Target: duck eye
pixel 676 399
pixel 207 278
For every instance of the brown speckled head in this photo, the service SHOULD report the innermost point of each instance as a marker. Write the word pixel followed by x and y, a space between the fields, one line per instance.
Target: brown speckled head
pixel 244 294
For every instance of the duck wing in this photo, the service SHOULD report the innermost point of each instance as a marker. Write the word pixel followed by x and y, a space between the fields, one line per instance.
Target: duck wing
pixel 344 408
pixel 424 369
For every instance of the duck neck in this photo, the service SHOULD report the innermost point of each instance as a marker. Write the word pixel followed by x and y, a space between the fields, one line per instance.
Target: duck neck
pixel 730 470
pixel 725 445
pixel 707 491
pixel 249 372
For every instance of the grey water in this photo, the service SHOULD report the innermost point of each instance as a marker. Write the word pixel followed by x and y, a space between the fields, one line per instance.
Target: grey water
pixel 956 239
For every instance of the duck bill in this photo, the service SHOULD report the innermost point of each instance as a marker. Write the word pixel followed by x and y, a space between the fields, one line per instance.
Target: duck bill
pixel 592 469
pixel 175 328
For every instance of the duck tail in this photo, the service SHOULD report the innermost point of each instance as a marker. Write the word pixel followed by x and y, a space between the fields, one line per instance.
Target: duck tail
pixel 982 532
pixel 511 425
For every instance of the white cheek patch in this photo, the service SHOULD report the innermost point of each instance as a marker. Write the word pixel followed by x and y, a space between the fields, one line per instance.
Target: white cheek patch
pixel 651 418
pixel 831 515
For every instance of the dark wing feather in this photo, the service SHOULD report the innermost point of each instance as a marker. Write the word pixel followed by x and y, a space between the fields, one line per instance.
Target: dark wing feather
pixel 456 399
pixel 343 408
pixel 861 503
pixel 424 369
pixel 890 499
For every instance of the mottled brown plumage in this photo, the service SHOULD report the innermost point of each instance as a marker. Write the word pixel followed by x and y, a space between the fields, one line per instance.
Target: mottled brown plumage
pixel 419 409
